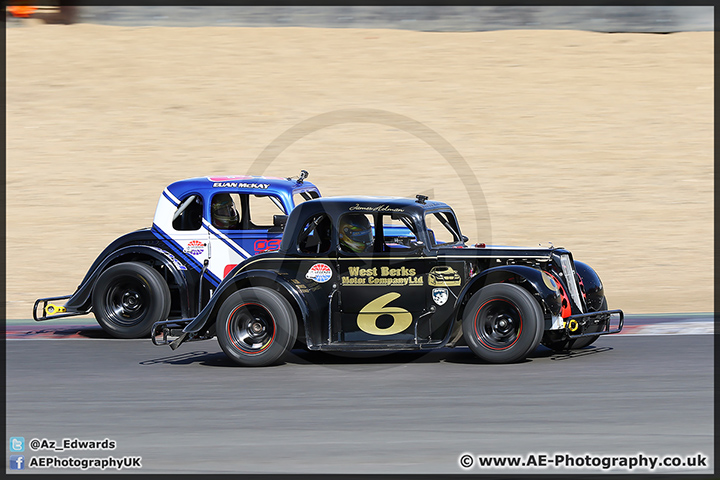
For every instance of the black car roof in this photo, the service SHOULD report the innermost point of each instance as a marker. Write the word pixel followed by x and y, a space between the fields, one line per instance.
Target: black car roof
pixel 366 204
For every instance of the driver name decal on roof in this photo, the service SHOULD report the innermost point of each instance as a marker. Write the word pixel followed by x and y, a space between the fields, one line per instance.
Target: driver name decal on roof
pixel 240 185
pixel 379 208
pixel 382 276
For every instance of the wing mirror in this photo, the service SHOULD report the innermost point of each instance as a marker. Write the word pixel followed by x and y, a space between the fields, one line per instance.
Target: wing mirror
pixel 279 222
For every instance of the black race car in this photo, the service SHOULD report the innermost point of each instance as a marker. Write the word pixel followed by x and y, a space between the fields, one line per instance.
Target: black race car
pixel 367 273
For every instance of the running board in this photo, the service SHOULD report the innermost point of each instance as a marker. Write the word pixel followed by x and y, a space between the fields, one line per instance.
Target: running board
pixel 357 346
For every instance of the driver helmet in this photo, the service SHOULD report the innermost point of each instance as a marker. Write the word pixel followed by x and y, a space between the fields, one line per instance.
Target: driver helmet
pixel 355 233
pixel 224 214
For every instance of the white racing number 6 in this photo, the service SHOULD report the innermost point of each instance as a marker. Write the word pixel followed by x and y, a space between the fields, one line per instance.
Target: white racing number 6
pixel 367 318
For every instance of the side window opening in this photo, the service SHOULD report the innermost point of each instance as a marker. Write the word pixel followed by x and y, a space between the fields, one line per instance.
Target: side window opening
pixel 355 233
pixel 316 234
pixel 399 234
pixel 261 210
pixel 224 211
pixel 188 216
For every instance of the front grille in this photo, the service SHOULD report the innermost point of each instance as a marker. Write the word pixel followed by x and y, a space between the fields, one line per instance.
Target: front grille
pixel 571 279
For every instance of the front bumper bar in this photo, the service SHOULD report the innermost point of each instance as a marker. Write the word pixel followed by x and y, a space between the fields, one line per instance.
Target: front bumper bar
pixel 577 326
pixel 170 332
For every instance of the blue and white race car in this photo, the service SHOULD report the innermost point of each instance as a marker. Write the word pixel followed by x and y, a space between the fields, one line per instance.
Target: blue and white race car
pixel 202 228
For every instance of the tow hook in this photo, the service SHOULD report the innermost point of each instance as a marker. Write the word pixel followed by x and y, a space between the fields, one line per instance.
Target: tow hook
pixel 52 309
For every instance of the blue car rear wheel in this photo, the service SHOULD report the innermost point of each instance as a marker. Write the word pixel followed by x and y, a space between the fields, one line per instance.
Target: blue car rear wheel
pixel 128 298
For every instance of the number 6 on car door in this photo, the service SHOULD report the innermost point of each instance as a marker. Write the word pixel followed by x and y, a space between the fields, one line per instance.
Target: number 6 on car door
pixel 367 318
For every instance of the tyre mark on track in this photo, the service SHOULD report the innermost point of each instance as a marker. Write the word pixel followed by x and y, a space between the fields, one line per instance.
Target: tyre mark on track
pixel 59 332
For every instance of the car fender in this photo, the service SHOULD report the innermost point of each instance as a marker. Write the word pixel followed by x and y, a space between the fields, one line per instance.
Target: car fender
pixel 256 278
pixel 536 282
pixel 80 300
pixel 592 286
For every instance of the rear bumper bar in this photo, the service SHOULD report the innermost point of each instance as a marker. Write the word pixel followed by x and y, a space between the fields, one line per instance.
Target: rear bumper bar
pixel 49 309
pixel 578 326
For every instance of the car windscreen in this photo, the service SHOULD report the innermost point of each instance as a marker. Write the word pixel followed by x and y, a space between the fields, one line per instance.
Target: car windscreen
pixel 442 229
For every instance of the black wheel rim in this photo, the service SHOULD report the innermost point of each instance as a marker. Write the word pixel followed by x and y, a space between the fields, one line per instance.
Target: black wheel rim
pixel 126 301
pixel 498 324
pixel 251 328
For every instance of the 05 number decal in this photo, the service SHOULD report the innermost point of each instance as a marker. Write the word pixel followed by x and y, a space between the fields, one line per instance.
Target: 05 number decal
pixel 266 245
pixel 368 316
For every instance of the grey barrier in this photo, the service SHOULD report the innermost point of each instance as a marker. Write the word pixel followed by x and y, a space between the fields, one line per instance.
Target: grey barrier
pixel 650 19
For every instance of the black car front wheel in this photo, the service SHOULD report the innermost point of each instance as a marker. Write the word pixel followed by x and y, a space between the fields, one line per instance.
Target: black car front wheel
pixel 502 323
pixel 128 298
pixel 256 326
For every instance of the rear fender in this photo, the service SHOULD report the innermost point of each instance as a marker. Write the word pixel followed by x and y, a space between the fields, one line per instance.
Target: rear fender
pixel 535 281
pixel 252 278
pixel 80 300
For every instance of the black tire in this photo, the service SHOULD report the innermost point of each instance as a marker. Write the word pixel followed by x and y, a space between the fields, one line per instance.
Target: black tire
pixel 583 342
pixel 503 323
pixel 128 298
pixel 256 327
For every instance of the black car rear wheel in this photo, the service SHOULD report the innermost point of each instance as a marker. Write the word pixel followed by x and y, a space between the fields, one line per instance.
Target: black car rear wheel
pixel 256 326
pixel 128 298
pixel 502 323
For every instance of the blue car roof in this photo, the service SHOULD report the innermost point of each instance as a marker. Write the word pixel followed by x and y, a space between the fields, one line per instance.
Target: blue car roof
pixel 240 184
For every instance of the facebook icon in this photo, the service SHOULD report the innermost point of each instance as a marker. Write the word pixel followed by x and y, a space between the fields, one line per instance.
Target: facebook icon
pixel 17 462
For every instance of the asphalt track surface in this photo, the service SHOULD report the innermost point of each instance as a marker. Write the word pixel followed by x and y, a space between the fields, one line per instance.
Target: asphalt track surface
pixel 192 411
